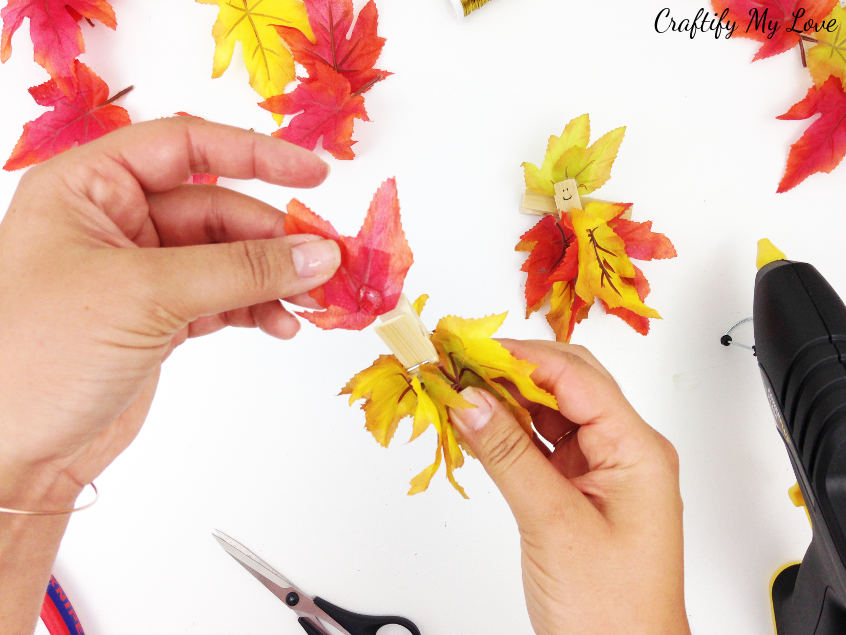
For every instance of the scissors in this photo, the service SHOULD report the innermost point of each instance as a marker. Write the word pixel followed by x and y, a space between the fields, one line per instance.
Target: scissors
pixel 315 613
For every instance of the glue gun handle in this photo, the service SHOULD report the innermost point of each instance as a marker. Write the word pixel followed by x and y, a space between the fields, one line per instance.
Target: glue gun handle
pixel 803 601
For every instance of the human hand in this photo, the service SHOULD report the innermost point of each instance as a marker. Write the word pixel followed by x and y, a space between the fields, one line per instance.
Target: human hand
pixel 108 260
pixel 600 516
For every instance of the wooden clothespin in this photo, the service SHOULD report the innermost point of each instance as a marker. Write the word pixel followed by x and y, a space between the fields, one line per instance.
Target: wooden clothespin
pixel 566 198
pixel 406 335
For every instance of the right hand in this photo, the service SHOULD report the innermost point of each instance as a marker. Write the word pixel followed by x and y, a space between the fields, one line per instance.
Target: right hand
pixel 600 516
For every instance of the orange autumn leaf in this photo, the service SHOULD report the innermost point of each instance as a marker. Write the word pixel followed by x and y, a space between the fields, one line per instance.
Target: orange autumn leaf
pixel 54 29
pixel 550 258
pixel 351 50
pixel 86 114
pixel 323 106
pixel 468 356
pixel 340 64
pixel 823 145
pixel 772 13
pixel 374 262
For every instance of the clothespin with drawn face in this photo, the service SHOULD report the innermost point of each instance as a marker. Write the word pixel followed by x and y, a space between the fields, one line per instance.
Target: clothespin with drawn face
pixel 566 198
pixel 406 335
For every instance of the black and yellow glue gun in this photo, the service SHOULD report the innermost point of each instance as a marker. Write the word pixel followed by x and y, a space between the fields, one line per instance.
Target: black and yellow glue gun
pixel 800 343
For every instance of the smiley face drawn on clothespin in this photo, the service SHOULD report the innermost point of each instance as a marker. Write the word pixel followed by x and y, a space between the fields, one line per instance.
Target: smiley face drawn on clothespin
pixel 567 195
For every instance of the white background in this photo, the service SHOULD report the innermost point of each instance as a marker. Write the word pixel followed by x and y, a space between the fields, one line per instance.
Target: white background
pixel 246 433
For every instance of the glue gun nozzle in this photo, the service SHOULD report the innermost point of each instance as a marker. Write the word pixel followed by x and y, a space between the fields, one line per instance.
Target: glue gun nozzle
pixel 767 253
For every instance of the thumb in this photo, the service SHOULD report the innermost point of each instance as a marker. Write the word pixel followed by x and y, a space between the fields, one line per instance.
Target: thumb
pixel 199 280
pixel 531 485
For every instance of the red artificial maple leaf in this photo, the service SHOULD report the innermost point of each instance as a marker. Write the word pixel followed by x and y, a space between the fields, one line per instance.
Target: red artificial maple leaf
pixel 551 258
pixel 823 145
pixel 340 65
pixel 641 242
pixel 54 29
pixel 353 57
pixel 75 119
pixel 768 21
pixel 374 262
pixel 324 106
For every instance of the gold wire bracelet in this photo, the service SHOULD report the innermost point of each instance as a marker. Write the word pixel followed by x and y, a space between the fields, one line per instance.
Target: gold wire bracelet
pixel 57 512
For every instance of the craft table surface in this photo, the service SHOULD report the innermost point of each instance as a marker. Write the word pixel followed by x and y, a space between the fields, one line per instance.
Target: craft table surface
pixel 246 433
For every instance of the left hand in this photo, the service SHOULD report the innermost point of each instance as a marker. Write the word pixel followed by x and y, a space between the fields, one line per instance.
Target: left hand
pixel 108 260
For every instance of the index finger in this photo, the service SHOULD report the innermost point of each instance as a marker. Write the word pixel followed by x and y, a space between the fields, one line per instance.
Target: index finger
pixel 611 433
pixel 164 153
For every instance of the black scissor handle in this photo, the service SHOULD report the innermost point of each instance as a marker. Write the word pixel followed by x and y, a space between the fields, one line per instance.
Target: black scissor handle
pixel 358 624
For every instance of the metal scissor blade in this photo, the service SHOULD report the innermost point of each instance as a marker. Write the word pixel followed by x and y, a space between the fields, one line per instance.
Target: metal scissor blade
pixel 275 582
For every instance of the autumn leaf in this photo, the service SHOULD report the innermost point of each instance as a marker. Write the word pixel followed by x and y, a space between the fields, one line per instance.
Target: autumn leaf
pixel 641 242
pixel 569 157
pixel 823 145
pixel 828 55
pixel 549 243
pixel 585 256
pixel 467 357
pixel 323 107
pixel 340 65
pixel 605 271
pixel 55 33
pixel 744 12
pixel 566 309
pixel 268 61
pixel 199 179
pixel 354 57
pixel 74 119
pixel 373 263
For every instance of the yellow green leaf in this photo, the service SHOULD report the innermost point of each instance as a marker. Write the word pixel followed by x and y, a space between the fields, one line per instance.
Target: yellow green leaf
pixel 569 157
pixel 467 357
pixel 828 56
pixel 426 413
pixel 250 22
pixel 566 310
pixel 388 393
pixel 453 458
pixel 466 346
pixel 605 271
pixel 420 483
pixel 420 302
pixel 593 169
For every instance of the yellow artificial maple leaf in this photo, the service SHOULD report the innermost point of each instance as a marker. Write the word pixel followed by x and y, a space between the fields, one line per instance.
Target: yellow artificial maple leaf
pixel 605 271
pixel 566 309
pixel 467 357
pixel 266 57
pixel 828 56
pixel 569 157
pixel 471 358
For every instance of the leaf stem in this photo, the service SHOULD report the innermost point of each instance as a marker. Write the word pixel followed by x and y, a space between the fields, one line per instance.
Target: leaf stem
pixel 118 95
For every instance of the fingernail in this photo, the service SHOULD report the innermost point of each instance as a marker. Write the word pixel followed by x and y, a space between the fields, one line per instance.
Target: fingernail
pixel 473 418
pixel 315 258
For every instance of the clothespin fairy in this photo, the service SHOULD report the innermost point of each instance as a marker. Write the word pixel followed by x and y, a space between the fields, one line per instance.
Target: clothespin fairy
pixel 406 335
